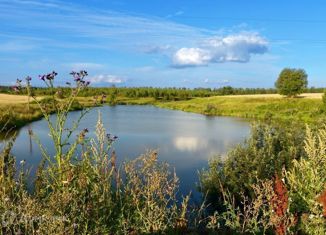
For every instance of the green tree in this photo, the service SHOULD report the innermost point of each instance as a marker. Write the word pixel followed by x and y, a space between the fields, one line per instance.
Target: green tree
pixel 291 82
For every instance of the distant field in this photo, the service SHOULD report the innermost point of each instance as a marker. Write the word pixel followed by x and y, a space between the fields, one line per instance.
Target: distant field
pixel 12 99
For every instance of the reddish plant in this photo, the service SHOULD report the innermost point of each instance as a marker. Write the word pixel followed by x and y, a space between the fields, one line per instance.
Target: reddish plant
pixel 322 200
pixel 280 205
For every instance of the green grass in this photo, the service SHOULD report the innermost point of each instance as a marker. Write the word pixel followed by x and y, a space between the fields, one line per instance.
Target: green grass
pixel 284 109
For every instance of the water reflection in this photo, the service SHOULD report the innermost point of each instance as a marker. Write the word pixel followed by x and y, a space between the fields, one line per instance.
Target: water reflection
pixel 189 144
pixel 185 140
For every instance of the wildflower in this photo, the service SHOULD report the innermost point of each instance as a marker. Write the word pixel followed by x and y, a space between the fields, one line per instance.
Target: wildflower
pixel 51 76
pixel 28 78
pixel 85 130
pixel 16 88
pixel 42 77
pixel 111 138
pixel 22 162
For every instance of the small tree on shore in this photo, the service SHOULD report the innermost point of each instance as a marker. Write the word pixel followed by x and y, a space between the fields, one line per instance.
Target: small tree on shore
pixel 291 82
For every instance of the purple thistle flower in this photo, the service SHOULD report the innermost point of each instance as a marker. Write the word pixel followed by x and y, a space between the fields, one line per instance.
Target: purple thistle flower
pixel 42 77
pixel 111 138
pixel 16 88
pixel 28 78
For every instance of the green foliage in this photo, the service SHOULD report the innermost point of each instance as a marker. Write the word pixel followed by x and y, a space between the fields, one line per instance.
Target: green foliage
pixel 303 183
pixel 269 149
pixel 291 82
pixel 167 94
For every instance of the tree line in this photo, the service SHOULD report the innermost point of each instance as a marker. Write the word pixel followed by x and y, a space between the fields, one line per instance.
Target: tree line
pixel 157 93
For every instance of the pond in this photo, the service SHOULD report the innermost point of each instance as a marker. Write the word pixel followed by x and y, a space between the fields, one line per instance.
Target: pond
pixel 185 140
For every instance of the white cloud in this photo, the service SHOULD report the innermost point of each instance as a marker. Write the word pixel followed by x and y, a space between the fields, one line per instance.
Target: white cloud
pixel 84 66
pixel 107 78
pixel 191 57
pixel 232 48
pixel 184 143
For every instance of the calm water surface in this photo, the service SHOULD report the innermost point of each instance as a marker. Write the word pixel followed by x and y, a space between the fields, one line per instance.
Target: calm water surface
pixel 185 140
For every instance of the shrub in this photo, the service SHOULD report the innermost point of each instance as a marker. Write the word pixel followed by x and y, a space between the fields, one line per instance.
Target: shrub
pixel 269 149
pixel 293 204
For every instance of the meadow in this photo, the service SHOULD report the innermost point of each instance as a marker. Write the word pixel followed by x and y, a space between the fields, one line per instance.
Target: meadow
pixel 307 108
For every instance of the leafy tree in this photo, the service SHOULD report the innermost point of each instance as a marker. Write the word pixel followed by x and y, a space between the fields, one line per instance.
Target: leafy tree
pixel 291 82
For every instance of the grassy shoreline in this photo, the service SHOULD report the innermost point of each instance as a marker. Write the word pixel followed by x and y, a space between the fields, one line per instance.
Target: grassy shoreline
pixel 305 109
pixel 308 108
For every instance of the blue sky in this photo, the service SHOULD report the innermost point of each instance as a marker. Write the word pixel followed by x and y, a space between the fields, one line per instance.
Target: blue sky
pixel 184 43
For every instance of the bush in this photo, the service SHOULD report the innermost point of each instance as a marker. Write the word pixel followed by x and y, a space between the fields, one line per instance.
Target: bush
pixel 291 82
pixel 291 203
pixel 269 149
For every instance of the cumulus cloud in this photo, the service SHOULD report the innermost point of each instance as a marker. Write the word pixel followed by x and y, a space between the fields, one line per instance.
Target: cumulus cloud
pixel 107 78
pixel 232 48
